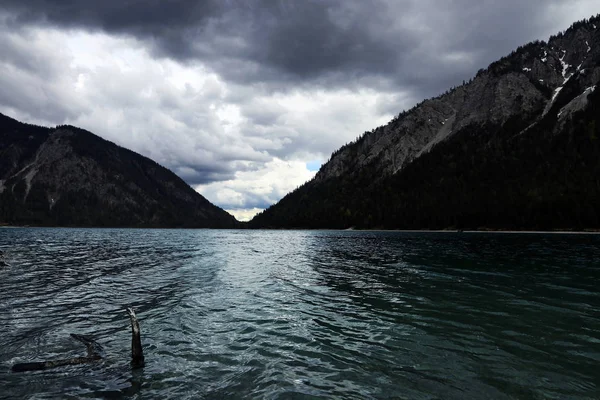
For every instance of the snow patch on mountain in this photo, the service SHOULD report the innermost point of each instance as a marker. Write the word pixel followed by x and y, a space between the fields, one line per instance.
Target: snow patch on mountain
pixel 578 103
pixel 566 78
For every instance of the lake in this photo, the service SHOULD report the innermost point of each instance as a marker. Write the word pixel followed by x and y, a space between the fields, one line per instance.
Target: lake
pixel 303 314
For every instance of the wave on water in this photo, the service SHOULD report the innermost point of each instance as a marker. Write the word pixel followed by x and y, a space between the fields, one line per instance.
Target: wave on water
pixel 272 314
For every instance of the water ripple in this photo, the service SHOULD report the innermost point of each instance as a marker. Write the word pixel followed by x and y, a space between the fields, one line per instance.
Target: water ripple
pixel 260 314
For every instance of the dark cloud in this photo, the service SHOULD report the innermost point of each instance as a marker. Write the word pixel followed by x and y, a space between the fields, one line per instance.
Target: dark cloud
pixel 406 43
pixel 203 174
pixel 138 17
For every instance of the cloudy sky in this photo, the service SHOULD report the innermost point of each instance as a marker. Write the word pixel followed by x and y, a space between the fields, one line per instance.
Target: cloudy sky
pixel 245 99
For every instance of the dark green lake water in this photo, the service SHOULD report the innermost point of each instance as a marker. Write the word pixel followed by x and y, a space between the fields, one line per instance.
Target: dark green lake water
pixel 303 314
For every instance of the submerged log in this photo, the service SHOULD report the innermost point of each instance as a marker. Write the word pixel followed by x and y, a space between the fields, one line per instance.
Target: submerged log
pixel 40 365
pixel 95 351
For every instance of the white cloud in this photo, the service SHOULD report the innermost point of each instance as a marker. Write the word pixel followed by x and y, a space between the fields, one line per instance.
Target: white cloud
pixel 252 191
pixel 252 144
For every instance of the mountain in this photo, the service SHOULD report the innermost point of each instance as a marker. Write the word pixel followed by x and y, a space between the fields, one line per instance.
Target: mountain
pixel 67 176
pixel 516 147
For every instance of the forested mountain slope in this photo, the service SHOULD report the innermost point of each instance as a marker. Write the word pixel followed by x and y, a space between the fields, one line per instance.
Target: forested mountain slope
pixel 517 147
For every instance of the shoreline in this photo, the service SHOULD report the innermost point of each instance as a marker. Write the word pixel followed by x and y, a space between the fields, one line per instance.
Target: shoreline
pixel 453 231
pixel 473 231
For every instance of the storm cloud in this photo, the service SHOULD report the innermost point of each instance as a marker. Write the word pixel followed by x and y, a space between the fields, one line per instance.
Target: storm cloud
pixel 401 42
pixel 231 94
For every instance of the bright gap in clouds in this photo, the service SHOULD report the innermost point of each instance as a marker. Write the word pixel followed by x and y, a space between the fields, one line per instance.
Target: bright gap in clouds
pixel 252 191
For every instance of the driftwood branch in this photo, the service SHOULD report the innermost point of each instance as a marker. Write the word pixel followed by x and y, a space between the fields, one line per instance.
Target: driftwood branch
pixel 95 351
pixel 137 354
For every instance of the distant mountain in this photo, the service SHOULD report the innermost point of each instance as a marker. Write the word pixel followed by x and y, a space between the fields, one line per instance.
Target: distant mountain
pixel 516 147
pixel 67 176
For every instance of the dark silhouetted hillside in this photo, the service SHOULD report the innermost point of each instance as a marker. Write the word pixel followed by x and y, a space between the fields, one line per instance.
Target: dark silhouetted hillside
pixel 70 177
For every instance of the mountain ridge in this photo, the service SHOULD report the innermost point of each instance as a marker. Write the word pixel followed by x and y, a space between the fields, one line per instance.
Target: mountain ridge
pixel 473 109
pixel 535 83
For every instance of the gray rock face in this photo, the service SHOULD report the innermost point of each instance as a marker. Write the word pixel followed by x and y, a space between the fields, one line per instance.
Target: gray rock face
pixel 525 84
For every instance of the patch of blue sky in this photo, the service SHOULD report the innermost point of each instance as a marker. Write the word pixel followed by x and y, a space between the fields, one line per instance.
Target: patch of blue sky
pixel 313 165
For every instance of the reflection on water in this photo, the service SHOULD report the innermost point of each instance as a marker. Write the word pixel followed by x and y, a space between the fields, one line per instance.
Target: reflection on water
pixel 262 314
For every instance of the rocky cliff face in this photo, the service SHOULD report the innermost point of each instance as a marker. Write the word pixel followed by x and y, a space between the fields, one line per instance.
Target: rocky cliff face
pixel 526 83
pixel 70 177
pixel 501 150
